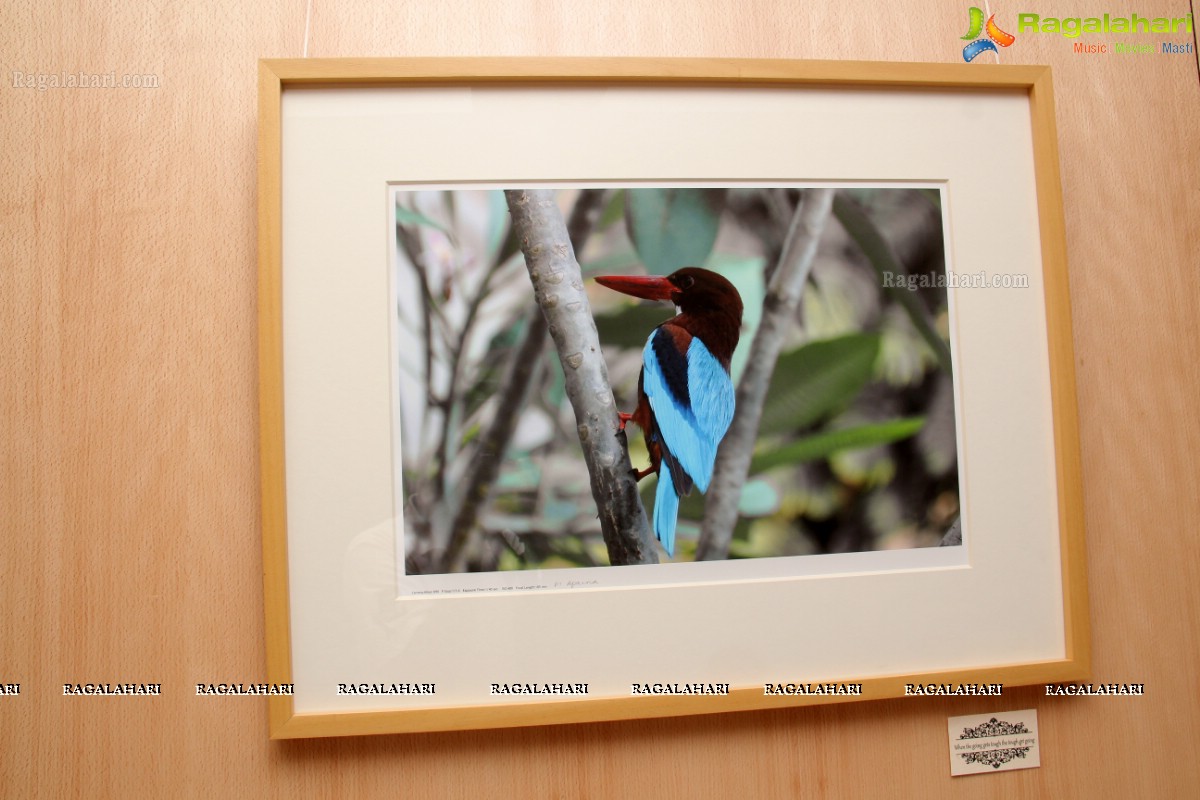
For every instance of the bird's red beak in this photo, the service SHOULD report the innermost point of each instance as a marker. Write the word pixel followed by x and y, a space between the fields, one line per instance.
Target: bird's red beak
pixel 650 287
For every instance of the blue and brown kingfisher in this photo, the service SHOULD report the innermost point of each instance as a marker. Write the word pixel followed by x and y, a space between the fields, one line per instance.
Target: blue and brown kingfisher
pixel 685 395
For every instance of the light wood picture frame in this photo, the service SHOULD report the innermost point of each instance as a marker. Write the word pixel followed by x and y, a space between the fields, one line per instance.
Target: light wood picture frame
pixel 321 545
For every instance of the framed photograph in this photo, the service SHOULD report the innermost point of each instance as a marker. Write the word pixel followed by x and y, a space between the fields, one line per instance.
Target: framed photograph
pixel 598 389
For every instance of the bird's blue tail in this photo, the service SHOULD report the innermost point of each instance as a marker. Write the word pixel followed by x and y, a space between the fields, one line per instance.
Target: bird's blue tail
pixel 666 510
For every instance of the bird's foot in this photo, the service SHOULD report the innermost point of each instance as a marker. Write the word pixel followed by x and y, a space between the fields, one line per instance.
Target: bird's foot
pixel 623 418
pixel 638 474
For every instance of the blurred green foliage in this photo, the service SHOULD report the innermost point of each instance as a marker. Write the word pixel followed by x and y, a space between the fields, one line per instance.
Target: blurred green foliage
pixel 672 228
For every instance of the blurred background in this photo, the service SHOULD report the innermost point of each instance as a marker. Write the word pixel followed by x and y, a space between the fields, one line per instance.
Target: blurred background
pixel 856 449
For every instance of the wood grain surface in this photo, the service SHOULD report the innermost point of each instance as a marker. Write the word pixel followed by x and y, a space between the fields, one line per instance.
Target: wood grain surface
pixel 129 465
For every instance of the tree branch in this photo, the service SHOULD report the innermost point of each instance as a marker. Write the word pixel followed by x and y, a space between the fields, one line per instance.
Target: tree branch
pixel 953 536
pixel 451 408
pixel 558 289
pixel 779 311
pixel 410 243
pixel 485 465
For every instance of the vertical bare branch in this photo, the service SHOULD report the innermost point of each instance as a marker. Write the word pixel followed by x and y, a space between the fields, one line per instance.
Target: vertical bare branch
pixel 558 289
pixel 779 310
pixel 452 409
pixel 513 396
pixel 410 243
pixel 485 465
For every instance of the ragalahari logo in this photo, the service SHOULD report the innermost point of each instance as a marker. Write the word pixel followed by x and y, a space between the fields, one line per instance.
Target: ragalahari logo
pixel 994 37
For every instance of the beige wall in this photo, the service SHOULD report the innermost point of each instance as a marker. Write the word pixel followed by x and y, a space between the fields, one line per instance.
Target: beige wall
pixel 129 462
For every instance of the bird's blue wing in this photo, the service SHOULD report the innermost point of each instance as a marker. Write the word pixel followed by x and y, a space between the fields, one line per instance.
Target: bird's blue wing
pixel 666 511
pixel 691 396
pixel 712 395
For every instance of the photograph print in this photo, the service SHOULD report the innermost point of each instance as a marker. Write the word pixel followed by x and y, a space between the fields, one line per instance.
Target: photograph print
pixel 616 375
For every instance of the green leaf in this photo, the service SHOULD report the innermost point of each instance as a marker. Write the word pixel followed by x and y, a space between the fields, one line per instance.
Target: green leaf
pixel 510 561
pixel 759 499
pixel 556 391
pixel 673 228
pixel 630 325
pixel 405 216
pixel 500 238
pixel 822 445
pixel 559 512
pixel 519 474
pixel 613 263
pixel 613 211
pixel 865 467
pixel 817 379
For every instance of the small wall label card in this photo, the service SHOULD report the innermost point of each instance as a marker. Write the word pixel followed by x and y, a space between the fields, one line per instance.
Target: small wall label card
pixel 994 742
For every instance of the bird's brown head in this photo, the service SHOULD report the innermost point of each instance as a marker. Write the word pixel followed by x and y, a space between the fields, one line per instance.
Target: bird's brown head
pixel 695 290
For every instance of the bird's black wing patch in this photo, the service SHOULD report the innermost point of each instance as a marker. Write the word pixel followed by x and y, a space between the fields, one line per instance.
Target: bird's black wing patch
pixel 670 347
pixel 683 482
